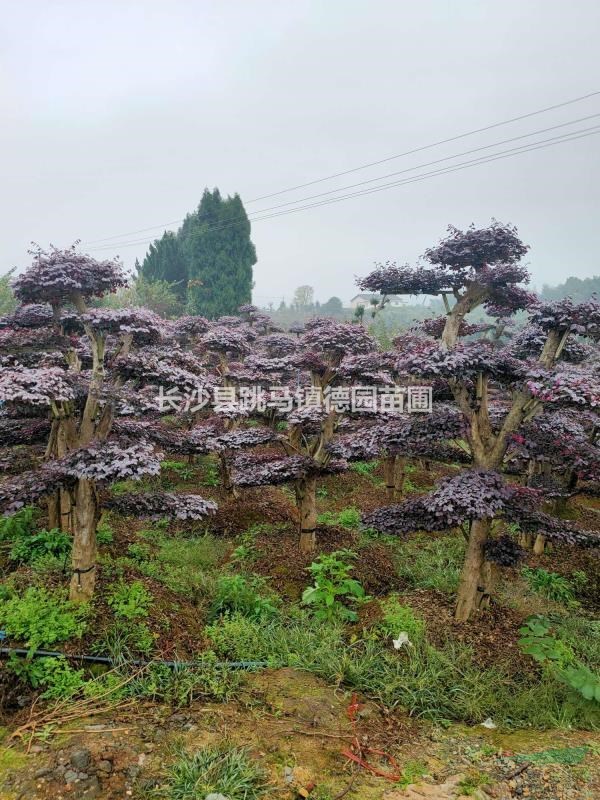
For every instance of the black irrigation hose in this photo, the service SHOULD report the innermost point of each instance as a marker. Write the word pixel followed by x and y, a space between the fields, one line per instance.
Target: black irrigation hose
pixel 5 652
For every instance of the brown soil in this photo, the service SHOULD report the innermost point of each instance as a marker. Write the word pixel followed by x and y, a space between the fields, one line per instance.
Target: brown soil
pixel 297 729
pixel 492 634
pixel 280 560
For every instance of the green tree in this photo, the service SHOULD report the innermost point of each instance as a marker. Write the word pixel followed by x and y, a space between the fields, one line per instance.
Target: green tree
pixel 333 307
pixel 8 302
pixel 166 261
pixel 580 289
pixel 220 255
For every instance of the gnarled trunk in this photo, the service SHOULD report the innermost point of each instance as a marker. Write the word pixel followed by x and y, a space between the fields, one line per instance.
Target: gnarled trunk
pixel 86 518
pixel 306 500
pixel 471 588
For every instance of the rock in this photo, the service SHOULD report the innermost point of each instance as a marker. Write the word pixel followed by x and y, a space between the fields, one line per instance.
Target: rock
pixel 133 771
pixel 41 773
pixel 105 766
pixel 70 776
pixel 80 758
pixel 215 796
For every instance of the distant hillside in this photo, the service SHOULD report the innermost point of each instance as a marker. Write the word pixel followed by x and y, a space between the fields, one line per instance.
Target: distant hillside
pixel 578 288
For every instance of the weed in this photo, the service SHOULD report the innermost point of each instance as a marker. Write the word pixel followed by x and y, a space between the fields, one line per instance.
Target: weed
pixel 347 518
pixel 412 772
pixel 549 584
pixel 49 566
pixel 399 618
pixel 236 593
pixel 322 492
pixel 219 771
pixel 180 685
pixel 59 680
pixel 210 473
pixel 333 587
pixel 124 640
pixel 473 781
pixel 183 471
pixel 26 549
pixel 538 642
pixel 18 525
pixel 40 618
pixel 365 469
pixel 130 600
pixel 139 552
pixel 430 563
pixel 436 684
pixel 104 534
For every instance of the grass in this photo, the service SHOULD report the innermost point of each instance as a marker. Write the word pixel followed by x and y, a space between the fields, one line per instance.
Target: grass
pixel 436 684
pixel 185 566
pixel 347 518
pixel 424 562
pixel 224 770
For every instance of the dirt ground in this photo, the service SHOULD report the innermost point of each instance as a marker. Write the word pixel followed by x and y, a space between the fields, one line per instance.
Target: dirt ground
pixel 297 727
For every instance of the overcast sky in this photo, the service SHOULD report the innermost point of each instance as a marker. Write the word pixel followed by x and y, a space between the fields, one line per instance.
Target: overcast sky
pixel 117 114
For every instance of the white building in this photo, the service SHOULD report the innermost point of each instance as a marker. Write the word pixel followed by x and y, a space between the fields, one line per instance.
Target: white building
pixel 369 298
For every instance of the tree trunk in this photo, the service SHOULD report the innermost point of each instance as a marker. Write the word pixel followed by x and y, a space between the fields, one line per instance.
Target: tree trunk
pixel 306 500
pixel 226 474
pixel 86 516
pixel 490 574
pixel 399 467
pixel 539 544
pixel 54 511
pixel 471 587
pixel 388 474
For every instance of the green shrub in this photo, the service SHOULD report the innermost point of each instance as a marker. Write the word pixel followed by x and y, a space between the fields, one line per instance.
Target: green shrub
pixel 130 600
pixel 18 525
pixel 59 680
pixel 538 641
pixel 222 770
pixel 104 533
pixel 41 618
pixel 333 587
pixel 27 549
pixel 236 593
pixel 549 584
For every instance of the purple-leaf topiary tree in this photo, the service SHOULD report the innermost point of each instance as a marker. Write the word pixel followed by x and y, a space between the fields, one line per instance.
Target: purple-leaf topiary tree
pixel 495 388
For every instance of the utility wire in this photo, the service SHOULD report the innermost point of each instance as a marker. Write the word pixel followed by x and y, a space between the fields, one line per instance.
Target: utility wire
pixel 372 163
pixel 430 163
pixel 572 136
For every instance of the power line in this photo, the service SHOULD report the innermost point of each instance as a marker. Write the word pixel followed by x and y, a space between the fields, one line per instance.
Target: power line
pixel 430 163
pixel 243 219
pixel 572 136
pixel 427 146
pixel 455 168
pixel 373 163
